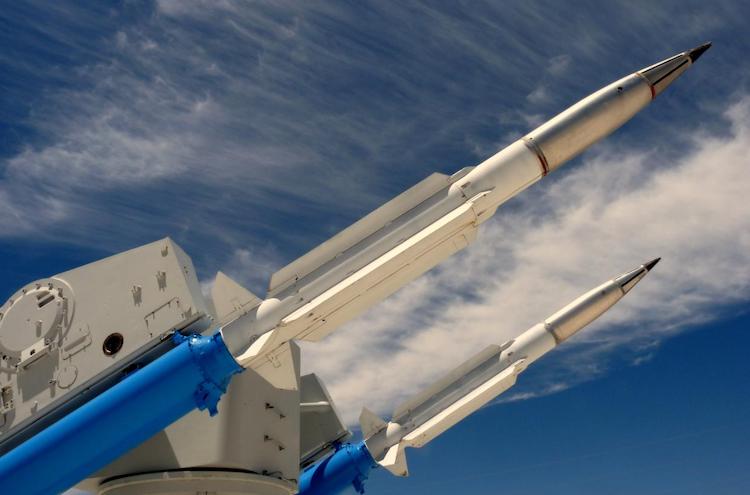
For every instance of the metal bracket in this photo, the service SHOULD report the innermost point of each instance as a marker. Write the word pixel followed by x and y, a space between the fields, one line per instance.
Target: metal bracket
pixel 34 352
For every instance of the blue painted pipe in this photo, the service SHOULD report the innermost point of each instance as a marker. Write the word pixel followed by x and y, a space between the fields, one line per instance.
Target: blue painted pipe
pixel 192 375
pixel 348 466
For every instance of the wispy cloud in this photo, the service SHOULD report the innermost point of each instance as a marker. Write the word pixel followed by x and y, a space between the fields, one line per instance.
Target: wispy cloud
pixel 543 93
pixel 559 64
pixel 251 132
pixel 561 238
pixel 219 122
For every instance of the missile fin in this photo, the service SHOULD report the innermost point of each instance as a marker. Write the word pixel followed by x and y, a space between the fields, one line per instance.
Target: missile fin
pixel 231 299
pixel 394 460
pixel 381 277
pixel 360 230
pixel 370 423
pixel 452 377
pixel 465 406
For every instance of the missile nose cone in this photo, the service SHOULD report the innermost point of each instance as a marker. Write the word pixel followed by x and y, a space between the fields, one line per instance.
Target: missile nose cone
pixel 648 266
pixel 628 280
pixel 662 74
pixel 696 52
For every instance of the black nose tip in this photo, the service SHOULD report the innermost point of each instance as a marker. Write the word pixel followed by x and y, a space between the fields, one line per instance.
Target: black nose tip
pixel 696 52
pixel 648 266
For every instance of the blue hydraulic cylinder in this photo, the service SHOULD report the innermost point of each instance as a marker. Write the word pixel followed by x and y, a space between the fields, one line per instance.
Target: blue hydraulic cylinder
pixel 192 375
pixel 348 466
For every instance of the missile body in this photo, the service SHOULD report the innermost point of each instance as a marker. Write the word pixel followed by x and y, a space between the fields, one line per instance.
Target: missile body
pixel 340 279
pixel 483 377
pixel 461 392
pixel 417 230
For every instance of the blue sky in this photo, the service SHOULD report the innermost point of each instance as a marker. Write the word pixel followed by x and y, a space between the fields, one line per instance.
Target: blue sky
pixel 251 132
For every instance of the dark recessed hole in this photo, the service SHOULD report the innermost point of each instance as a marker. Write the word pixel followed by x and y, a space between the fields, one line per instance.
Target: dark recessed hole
pixel 44 299
pixel 113 344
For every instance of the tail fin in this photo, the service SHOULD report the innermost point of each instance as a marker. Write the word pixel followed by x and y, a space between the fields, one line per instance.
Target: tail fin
pixel 231 299
pixel 344 240
pixel 370 423
pixel 394 460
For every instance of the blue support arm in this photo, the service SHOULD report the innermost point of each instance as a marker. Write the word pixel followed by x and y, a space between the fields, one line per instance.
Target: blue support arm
pixel 348 466
pixel 191 376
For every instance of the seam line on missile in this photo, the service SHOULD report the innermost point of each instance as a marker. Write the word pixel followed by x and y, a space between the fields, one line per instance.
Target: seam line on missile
pixel 529 142
pixel 650 86
pixel 551 330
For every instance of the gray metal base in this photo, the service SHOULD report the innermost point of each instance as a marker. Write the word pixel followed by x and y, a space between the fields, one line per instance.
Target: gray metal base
pixel 197 483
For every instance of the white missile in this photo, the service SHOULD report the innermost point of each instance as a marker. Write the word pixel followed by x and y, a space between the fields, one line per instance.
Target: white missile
pixel 417 230
pixel 483 377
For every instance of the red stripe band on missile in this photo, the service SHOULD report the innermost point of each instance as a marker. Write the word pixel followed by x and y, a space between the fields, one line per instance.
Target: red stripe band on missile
pixel 531 144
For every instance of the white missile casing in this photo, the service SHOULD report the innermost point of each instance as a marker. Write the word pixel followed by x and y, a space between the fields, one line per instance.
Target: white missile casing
pixel 417 230
pixel 485 376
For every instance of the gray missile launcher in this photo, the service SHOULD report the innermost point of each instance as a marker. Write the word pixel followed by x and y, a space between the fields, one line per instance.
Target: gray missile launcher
pixel 66 337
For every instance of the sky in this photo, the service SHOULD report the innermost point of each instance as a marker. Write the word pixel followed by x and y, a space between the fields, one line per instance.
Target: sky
pixel 250 132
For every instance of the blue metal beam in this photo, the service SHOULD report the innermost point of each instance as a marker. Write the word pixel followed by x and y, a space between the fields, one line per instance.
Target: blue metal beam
pixel 192 375
pixel 348 466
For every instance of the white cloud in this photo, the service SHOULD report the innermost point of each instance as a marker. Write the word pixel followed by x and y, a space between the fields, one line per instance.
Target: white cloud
pixel 559 239
pixel 559 64
pixel 252 267
pixel 539 95
pixel 556 66
pixel 170 120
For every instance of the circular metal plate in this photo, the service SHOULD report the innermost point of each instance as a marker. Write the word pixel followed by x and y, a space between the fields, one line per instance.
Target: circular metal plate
pixel 196 482
pixel 41 310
